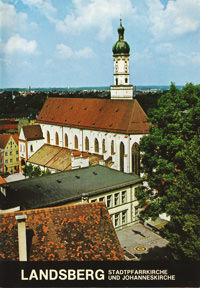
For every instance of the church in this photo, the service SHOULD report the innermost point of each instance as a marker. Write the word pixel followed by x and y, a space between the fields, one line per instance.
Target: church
pixel 109 129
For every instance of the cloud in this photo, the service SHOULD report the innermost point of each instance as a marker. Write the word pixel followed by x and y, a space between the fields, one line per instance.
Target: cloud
pixel 66 52
pixel 44 6
pixel 11 21
pixel 18 44
pixel 177 18
pixel 96 14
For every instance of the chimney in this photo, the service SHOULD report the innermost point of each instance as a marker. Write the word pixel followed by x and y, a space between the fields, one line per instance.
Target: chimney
pixel 84 198
pixel 22 241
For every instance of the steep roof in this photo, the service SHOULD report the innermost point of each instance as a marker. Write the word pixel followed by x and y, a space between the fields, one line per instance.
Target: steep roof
pixel 32 132
pixel 77 232
pixel 4 138
pixel 2 180
pixel 58 158
pixel 65 187
pixel 122 116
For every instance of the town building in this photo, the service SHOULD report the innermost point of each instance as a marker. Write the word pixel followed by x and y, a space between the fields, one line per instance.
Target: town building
pixel 111 128
pixel 93 184
pixel 81 232
pixel 8 126
pixel 9 155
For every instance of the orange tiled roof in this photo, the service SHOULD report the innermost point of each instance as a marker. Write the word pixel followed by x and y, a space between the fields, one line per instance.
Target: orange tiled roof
pixel 32 132
pixel 2 180
pixel 122 116
pixel 80 232
pixel 4 138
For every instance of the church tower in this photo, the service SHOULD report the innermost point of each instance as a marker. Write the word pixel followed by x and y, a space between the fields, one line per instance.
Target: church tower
pixel 121 88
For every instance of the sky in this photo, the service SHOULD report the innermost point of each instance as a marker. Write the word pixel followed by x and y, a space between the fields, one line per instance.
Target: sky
pixel 68 43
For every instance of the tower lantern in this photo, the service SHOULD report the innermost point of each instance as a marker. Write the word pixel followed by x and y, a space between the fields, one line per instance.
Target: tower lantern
pixel 121 49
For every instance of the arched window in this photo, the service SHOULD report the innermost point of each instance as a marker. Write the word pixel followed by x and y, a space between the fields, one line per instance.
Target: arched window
pixel 96 145
pixel 31 148
pixel 126 80
pixel 86 143
pixel 104 146
pixel 66 140
pixel 112 147
pixel 48 137
pixel 136 159
pixel 75 142
pixel 116 81
pixel 57 139
pixel 121 156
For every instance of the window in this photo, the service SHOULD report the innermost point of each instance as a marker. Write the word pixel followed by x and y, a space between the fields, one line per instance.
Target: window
pixel 116 199
pixel 17 159
pixel 11 160
pixel 124 217
pixel 124 197
pixel 112 147
pixel 6 161
pixel 136 159
pixel 20 148
pixel 31 148
pixel 126 80
pixel 57 139
pixel 136 211
pixel 17 152
pixel 103 146
pixel 76 142
pixel 109 201
pixel 6 153
pixel 66 140
pixel 96 145
pixel 10 152
pixel 86 143
pixel 116 219
pixel 102 199
pixel 94 200
pixel 48 137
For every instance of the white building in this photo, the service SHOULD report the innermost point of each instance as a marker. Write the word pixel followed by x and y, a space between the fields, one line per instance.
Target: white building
pixel 111 128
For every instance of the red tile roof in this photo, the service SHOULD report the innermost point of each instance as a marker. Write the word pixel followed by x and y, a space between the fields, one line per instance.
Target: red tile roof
pixel 77 232
pixel 122 116
pixel 2 180
pixel 4 138
pixel 33 132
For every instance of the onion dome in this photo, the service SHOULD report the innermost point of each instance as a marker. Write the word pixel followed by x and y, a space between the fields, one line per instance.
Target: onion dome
pixel 121 47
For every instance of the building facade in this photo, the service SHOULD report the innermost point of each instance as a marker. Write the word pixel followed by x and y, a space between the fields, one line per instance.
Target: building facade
pixel 9 159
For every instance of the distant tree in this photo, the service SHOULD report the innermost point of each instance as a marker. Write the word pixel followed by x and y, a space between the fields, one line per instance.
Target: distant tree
pixel 170 157
pixel 46 172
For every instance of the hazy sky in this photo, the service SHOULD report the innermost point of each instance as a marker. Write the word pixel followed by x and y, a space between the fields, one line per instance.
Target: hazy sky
pixel 60 43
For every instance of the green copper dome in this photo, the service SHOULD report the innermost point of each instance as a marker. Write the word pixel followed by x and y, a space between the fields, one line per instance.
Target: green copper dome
pixel 121 46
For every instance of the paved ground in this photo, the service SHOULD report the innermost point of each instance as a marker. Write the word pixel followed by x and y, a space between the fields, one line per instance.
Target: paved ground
pixel 137 240
pixel 15 177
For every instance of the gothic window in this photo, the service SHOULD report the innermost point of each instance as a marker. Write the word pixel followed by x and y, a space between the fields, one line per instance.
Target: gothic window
pixel 122 156
pixel 112 147
pixel 103 146
pixel 135 159
pixel 57 139
pixel 48 137
pixel 66 140
pixel 76 142
pixel 86 143
pixel 96 145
